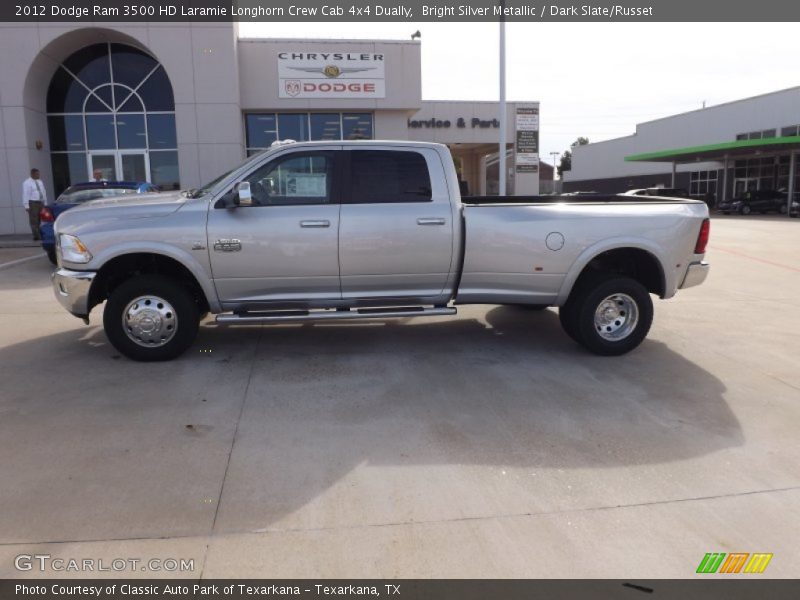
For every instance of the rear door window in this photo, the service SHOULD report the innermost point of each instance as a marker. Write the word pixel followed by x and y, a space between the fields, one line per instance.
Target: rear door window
pixel 388 176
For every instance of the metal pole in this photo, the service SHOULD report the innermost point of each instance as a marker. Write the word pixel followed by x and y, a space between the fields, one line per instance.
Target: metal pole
pixel 673 174
pixel 501 163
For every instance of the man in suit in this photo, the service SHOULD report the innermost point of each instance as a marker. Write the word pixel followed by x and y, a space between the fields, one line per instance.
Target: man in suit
pixel 34 198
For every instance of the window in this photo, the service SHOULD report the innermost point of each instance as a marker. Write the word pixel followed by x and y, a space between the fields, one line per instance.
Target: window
pixel 382 176
pixel 790 131
pixel 262 129
pixel 114 99
pixel 702 183
pixel 299 178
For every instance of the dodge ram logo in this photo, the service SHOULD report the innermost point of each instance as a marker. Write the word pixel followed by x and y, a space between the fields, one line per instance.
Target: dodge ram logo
pixel 292 87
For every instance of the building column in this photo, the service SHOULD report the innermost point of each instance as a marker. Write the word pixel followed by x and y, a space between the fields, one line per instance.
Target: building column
pixel 792 171
pixel 724 179
pixel 673 175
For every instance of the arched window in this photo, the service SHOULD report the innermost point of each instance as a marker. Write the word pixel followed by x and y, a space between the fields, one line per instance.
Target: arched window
pixel 111 109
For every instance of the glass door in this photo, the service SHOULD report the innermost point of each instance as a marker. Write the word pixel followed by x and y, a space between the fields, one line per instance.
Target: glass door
pixel 105 163
pixel 119 166
pixel 133 166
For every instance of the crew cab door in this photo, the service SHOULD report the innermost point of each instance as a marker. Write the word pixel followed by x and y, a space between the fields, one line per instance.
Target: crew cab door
pixel 285 246
pixel 396 228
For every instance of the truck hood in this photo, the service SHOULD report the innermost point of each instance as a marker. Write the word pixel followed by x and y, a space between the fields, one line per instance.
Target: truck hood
pixel 133 206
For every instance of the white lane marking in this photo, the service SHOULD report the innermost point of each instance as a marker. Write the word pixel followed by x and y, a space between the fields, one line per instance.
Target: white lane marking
pixel 21 260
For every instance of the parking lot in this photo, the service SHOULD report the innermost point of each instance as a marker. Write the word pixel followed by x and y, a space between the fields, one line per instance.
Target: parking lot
pixel 487 445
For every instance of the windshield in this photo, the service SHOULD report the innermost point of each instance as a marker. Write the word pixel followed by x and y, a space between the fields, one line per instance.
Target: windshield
pixel 204 189
pixel 79 196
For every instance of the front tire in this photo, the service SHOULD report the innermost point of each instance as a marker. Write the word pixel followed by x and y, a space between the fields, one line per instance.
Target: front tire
pixel 151 318
pixel 745 210
pixel 609 316
pixel 51 255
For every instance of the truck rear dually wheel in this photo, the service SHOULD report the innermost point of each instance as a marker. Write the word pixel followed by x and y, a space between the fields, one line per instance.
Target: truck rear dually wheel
pixel 151 318
pixel 608 315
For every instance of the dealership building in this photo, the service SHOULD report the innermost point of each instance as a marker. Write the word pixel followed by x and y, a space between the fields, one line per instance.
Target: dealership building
pixel 179 103
pixel 713 153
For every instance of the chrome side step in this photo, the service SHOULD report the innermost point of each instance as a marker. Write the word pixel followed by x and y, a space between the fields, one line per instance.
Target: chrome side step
pixel 296 316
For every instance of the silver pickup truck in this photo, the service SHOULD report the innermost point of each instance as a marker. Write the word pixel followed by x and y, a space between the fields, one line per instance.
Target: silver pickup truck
pixel 369 230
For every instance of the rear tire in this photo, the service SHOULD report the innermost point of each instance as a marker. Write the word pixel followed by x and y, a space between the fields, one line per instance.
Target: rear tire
pixel 608 315
pixel 151 318
pixel 51 255
pixel 745 210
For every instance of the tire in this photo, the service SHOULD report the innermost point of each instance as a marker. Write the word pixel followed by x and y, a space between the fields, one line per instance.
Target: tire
pixel 160 318
pixel 745 210
pixel 51 255
pixel 614 331
pixel 782 209
pixel 568 318
pixel 726 212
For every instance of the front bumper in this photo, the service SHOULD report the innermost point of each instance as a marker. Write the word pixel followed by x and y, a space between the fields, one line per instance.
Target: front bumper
pixel 72 290
pixel 695 275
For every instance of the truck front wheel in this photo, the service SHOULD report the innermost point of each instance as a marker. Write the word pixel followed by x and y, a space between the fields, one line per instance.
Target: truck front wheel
pixel 151 318
pixel 609 316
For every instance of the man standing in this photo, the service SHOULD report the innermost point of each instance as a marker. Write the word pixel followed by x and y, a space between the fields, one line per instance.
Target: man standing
pixel 98 176
pixel 33 198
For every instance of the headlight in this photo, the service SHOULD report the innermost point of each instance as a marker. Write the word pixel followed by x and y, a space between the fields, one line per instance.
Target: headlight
pixel 72 249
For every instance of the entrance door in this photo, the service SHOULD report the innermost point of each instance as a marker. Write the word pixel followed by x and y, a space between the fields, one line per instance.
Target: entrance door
pixel 743 185
pixel 133 166
pixel 119 166
pixel 106 163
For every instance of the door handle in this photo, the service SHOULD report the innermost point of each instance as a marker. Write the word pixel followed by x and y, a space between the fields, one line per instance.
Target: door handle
pixel 319 223
pixel 430 221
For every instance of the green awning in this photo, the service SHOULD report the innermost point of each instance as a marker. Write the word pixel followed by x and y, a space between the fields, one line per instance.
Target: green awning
pixel 719 151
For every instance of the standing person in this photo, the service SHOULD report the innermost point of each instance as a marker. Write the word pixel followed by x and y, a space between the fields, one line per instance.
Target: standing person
pixel 98 176
pixel 33 199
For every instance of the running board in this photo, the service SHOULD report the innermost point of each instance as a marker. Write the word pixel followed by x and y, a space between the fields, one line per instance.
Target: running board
pixel 296 316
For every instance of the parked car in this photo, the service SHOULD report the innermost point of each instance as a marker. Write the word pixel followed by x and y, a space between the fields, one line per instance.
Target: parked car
pixel 325 231
pixel 78 194
pixel 762 201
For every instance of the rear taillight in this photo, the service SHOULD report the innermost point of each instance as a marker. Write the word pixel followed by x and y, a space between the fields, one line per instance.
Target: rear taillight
pixel 46 215
pixel 702 237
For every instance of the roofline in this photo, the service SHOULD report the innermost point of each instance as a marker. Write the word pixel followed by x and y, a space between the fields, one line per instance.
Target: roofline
pixel 696 110
pixel 328 40
pixel 675 153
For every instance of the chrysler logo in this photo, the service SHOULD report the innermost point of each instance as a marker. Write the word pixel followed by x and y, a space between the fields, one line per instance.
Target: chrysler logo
pixel 332 71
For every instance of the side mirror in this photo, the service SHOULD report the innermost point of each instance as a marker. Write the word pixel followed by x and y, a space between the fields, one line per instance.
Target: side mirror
pixel 243 191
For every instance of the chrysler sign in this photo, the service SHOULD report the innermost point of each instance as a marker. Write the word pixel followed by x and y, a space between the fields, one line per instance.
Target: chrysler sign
pixel 331 75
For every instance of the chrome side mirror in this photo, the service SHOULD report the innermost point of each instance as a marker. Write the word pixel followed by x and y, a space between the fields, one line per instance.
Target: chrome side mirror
pixel 243 192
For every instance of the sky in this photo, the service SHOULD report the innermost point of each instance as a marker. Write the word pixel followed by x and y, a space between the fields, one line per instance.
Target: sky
pixel 596 80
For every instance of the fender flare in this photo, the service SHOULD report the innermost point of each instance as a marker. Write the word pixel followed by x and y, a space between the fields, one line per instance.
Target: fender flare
pixel 605 245
pixel 180 256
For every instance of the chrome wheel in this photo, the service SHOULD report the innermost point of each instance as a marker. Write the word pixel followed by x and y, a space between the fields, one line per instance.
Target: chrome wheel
pixel 149 321
pixel 616 317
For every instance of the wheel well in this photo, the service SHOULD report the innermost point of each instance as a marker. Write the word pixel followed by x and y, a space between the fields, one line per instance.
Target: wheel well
pixel 635 263
pixel 122 268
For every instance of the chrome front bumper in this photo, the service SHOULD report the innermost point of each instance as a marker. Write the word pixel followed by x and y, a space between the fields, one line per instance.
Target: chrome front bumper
pixel 72 290
pixel 695 275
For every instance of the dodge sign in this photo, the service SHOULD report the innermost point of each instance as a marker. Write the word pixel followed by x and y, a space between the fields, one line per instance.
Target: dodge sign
pixel 331 75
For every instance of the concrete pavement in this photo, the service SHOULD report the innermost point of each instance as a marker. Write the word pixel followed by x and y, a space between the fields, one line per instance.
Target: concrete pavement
pixel 488 445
